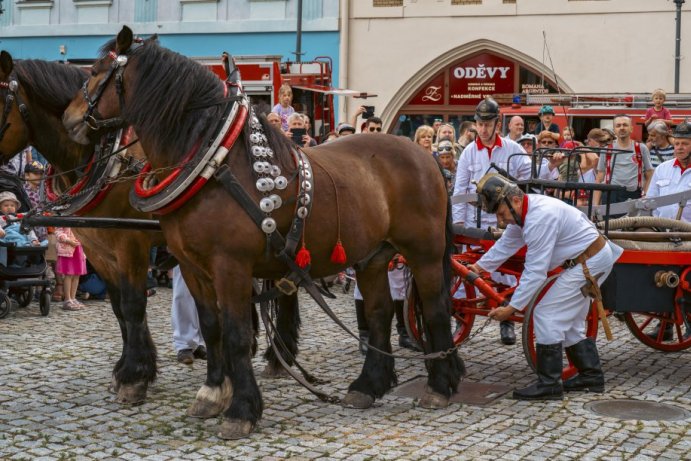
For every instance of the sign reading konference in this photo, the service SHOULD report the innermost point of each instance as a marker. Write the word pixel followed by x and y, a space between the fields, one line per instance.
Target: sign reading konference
pixel 482 75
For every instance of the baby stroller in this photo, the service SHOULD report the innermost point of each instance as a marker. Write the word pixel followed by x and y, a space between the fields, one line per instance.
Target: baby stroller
pixel 22 269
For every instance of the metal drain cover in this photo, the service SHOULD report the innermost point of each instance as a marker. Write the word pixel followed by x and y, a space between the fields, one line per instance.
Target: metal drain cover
pixel 466 392
pixel 638 409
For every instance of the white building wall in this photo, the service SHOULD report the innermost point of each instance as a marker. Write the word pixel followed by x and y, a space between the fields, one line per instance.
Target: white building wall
pixel 595 45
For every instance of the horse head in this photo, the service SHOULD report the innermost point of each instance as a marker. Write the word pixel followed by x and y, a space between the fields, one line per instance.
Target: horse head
pixel 33 95
pixel 14 131
pixel 98 105
pixel 149 87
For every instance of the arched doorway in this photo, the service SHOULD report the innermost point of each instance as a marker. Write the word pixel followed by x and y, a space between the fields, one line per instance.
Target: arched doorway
pixel 451 86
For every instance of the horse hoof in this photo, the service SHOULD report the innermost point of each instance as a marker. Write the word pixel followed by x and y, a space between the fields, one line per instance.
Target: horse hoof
pixel 114 386
pixel 355 399
pixel 233 429
pixel 132 394
pixel 211 401
pixel 434 400
pixel 271 372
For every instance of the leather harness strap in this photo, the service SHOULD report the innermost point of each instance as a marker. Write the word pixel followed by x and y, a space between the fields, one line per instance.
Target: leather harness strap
pixel 592 288
pixel 297 275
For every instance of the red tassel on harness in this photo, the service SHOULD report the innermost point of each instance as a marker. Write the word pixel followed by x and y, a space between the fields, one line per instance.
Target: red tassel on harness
pixel 303 258
pixel 338 255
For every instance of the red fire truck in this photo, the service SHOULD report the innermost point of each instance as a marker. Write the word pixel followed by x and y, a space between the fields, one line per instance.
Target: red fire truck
pixel 311 81
pixel 584 112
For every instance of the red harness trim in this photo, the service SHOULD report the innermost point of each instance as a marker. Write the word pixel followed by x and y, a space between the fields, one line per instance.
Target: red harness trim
pixel 637 159
pixel 158 188
pixel 98 198
pixel 93 203
pixel 193 188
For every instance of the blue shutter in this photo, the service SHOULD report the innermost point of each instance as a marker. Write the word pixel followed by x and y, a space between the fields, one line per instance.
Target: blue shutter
pixel 145 10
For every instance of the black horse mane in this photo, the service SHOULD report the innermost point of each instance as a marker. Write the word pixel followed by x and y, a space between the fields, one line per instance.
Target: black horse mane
pixel 171 99
pixel 52 84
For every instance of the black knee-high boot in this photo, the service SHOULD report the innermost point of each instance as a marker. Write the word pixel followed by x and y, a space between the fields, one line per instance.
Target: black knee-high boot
pixel 362 327
pixel 403 339
pixel 585 358
pixel 548 385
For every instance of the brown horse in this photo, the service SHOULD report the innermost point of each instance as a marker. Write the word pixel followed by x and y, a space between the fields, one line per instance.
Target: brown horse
pixel 120 257
pixel 380 194
pixel 44 89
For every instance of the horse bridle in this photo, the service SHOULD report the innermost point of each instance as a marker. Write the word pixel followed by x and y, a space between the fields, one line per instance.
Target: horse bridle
pixel 12 96
pixel 92 118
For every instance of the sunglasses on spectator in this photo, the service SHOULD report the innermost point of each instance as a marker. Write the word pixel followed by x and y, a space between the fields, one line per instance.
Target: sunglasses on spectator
pixel 445 149
pixel 372 129
pixel 548 142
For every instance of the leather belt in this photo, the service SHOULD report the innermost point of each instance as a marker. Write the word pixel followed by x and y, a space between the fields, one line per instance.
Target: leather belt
pixel 594 248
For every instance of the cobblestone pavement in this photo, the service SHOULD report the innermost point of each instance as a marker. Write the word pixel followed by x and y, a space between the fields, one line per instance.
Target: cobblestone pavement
pixel 54 402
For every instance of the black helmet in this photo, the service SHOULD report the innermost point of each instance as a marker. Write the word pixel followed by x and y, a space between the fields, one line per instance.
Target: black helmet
pixel 683 130
pixel 488 109
pixel 492 189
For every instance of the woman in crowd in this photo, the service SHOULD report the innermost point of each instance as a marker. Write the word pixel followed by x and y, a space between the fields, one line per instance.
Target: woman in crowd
pixel 423 137
pixel 447 130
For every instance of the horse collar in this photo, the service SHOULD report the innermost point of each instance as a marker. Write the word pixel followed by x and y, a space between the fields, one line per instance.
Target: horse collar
pixel 94 184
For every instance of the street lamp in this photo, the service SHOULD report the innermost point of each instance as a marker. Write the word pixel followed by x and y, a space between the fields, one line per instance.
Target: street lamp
pixel 677 53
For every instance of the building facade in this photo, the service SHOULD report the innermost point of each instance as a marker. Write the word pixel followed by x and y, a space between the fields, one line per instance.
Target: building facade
pixel 75 29
pixel 427 59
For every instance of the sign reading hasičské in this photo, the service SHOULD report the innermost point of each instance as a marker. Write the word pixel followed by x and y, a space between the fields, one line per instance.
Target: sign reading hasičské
pixel 482 75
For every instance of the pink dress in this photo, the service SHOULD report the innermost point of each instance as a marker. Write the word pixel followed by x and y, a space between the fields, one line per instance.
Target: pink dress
pixel 71 260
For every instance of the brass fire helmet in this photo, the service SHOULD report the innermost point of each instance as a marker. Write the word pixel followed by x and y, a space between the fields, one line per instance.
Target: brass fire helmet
pixel 492 189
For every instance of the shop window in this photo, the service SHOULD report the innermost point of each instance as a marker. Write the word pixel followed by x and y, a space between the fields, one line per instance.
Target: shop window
pixel 387 3
pixel 466 2
pixel 406 124
pixel 532 83
pixel 509 1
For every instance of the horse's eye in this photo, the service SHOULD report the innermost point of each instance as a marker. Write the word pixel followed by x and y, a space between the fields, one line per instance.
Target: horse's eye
pixel 93 72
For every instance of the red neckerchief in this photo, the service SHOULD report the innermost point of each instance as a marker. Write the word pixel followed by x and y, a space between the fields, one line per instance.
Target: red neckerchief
pixel 682 168
pixel 497 143
pixel 524 211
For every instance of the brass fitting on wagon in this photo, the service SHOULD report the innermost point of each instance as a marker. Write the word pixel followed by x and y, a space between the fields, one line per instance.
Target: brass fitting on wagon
pixel 666 279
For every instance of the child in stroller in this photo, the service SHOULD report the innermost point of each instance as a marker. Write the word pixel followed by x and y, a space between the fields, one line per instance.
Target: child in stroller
pixel 22 258
pixel 10 231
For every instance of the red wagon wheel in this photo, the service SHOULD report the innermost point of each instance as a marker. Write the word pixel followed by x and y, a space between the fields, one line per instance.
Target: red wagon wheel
pixel 661 330
pixel 461 320
pixel 528 335
pixel 465 306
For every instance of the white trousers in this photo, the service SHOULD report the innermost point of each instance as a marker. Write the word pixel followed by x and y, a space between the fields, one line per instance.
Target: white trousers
pixel 397 285
pixel 559 317
pixel 184 317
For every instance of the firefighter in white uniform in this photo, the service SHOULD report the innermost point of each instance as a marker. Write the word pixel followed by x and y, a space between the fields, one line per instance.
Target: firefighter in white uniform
pixel 671 177
pixel 556 234
pixel 674 175
pixel 476 160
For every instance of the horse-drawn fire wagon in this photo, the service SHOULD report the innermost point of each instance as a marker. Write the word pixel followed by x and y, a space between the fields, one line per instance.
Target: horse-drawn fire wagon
pixel 649 287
